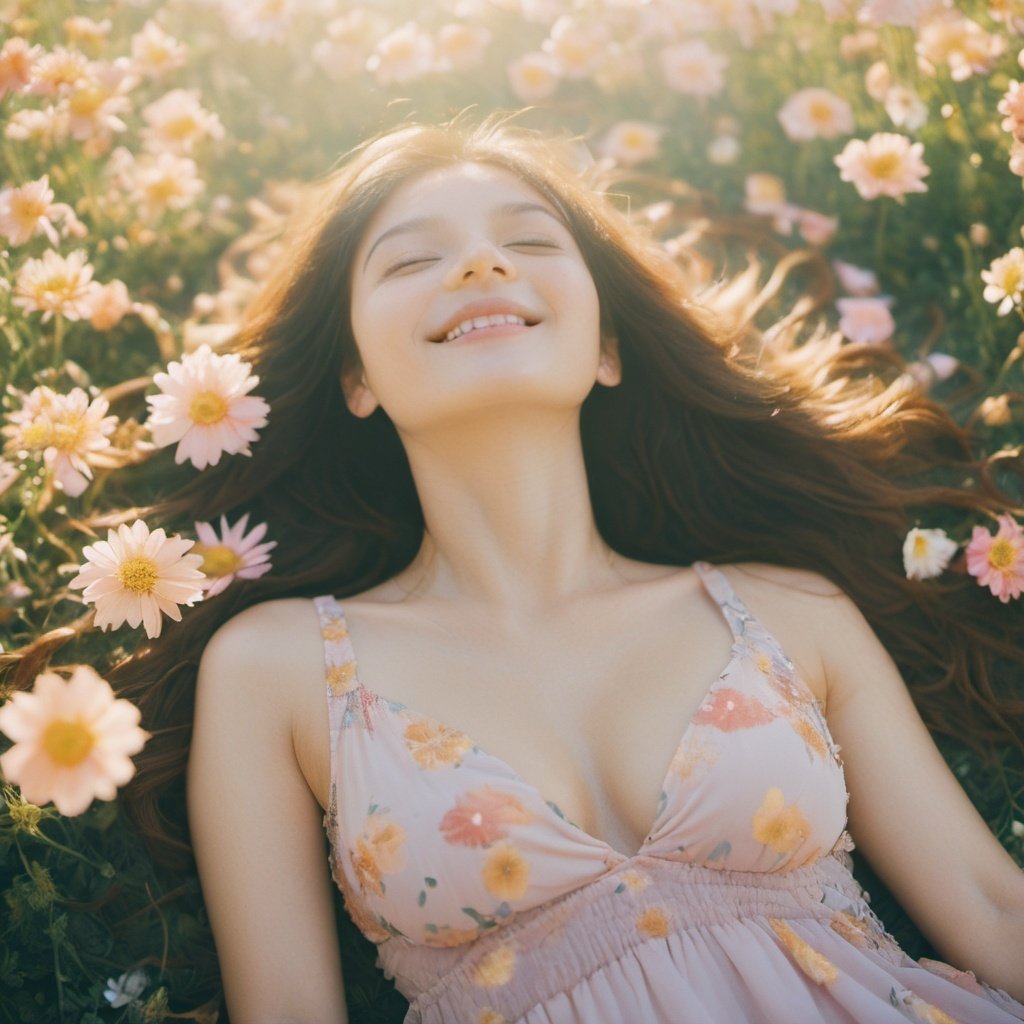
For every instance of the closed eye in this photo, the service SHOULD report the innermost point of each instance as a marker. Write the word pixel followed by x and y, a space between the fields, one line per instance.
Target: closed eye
pixel 410 262
pixel 545 243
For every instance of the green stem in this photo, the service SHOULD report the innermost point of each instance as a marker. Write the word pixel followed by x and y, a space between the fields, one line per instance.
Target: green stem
pixel 104 867
pixel 883 216
pixel 58 341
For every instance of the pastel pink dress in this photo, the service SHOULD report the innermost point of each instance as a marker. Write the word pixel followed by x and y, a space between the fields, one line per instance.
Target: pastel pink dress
pixel 489 907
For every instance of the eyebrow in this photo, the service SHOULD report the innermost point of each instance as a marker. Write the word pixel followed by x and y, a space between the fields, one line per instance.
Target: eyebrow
pixel 426 223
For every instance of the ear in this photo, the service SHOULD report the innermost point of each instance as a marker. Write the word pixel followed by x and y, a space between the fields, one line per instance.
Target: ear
pixel 360 400
pixel 609 368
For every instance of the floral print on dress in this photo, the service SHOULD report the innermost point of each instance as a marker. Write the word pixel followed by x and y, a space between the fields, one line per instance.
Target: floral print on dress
pixel 433 745
pixel 479 893
pixel 482 816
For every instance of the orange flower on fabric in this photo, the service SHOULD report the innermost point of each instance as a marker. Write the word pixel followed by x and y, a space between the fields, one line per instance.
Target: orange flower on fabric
pixel 380 850
pixel 496 968
pixel 72 740
pixel 779 827
pixel 729 709
pixel 433 745
pixel 482 816
pixel 816 966
pixel 653 923
pixel 506 873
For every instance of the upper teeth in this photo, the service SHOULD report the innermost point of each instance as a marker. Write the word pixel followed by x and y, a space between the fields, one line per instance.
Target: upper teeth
pixel 483 321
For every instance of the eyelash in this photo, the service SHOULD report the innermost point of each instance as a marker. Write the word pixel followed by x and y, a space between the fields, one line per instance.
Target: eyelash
pixel 546 243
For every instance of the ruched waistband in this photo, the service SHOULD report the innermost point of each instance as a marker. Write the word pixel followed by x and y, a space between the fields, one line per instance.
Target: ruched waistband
pixel 558 943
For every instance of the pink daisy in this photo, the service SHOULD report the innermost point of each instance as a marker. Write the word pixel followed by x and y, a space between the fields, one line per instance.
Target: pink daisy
pixel 134 575
pixel 205 407
pixel 482 816
pixel 998 561
pixel 233 553
pixel 72 740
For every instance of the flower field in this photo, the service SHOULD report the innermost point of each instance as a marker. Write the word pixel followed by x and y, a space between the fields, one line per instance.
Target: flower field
pixel 150 154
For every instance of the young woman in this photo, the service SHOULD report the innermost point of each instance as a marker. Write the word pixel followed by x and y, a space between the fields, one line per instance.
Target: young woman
pixel 586 638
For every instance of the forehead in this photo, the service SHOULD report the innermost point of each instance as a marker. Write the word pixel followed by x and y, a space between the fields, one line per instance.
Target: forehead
pixel 462 187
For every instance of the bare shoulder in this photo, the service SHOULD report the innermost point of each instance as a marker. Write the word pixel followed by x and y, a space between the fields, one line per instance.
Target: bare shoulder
pixel 263 649
pixel 783 582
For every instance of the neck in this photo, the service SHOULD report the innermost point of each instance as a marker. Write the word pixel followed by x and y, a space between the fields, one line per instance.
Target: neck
pixel 509 523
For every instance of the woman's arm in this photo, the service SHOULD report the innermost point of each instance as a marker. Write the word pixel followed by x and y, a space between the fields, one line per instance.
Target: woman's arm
pixel 910 816
pixel 258 836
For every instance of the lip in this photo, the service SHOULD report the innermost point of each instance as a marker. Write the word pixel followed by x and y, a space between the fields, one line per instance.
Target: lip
pixel 482 307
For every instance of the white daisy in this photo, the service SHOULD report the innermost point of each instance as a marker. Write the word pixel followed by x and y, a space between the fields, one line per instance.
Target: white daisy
pixel 926 553
pixel 233 553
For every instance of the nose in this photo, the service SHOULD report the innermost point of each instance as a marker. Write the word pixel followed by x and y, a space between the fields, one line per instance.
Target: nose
pixel 480 262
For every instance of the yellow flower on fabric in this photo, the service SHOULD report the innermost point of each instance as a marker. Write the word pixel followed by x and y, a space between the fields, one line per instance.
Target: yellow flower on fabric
pixel 72 740
pixel 779 827
pixel 506 873
pixel 816 966
pixel 433 745
pixel 380 850
pixel 496 968
pixel 489 1016
pixel 653 923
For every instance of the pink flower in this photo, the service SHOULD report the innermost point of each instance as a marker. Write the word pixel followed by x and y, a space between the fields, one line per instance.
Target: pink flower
pixel 815 113
pixel 72 740
pixel 886 165
pixel 866 320
pixel 998 561
pixel 231 554
pixel 481 817
pixel 204 407
pixel 135 575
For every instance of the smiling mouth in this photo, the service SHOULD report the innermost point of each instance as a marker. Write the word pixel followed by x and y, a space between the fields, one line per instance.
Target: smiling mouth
pixel 477 323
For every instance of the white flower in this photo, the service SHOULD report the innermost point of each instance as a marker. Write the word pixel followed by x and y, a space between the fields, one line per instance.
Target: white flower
pixel 66 429
pixel 693 68
pixel 54 284
pixel 205 407
pixel 926 553
pixel 856 280
pixel 134 575
pixel 1004 280
pixel 533 76
pixel 886 165
pixel 632 142
pixel 815 113
pixel 125 990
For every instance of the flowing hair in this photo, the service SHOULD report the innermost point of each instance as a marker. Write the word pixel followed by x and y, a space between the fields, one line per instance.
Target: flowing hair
pixel 723 442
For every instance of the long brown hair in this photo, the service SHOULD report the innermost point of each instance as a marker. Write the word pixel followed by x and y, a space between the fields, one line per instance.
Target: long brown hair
pixel 718 444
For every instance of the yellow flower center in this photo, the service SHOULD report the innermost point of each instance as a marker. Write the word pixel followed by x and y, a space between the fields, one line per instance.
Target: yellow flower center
pixel 1002 554
pixel 920 546
pixel 886 165
pixel 821 112
pixel 28 209
pixel 207 407
pixel 36 435
pixel 220 560
pixel 68 743
pixel 163 189
pixel 183 127
pixel 138 574
pixel 1011 279
pixel 86 102
pixel 67 435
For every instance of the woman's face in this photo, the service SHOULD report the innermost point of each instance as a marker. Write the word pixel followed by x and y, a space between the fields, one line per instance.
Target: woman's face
pixel 470 293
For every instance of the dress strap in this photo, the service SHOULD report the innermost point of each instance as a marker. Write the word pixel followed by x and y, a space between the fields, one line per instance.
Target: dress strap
pixel 717 584
pixel 339 660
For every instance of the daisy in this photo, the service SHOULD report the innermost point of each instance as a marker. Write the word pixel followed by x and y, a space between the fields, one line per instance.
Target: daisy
pixel 66 429
pixel 233 553
pixel 16 60
pixel 926 553
pixel 887 164
pixel 134 575
pixel 403 55
pixel 72 740
pixel 1004 281
pixel 632 142
pixel 534 76
pixel 459 47
pixel 204 407
pixel 55 285
pixel 26 211
pixel 177 122
pixel 815 113
pixel 998 561
pixel 693 68
pixel 154 52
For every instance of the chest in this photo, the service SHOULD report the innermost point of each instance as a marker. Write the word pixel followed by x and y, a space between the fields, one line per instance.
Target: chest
pixel 587 706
